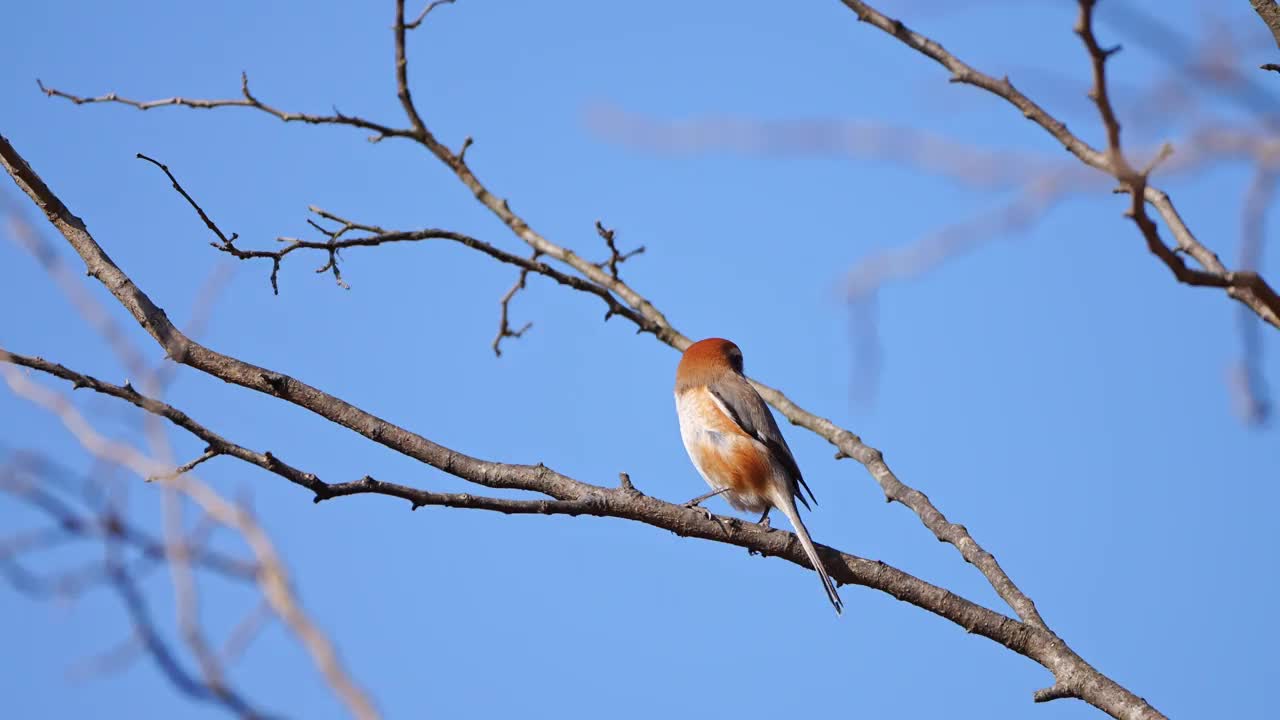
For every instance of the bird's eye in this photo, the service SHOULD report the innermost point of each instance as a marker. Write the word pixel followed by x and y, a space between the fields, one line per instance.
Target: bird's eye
pixel 735 359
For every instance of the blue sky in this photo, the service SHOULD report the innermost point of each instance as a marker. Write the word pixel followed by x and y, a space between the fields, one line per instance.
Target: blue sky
pixel 1054 390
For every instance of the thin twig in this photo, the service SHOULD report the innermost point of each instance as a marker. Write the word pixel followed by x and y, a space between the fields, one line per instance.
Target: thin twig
pixel 247 100
pixel 504 306
pixel 209 223
pixel 615 258
pixel 426 11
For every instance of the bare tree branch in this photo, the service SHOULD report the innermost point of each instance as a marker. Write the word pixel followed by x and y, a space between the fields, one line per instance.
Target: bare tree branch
pixel 1269 11
pixel 616 257
pixel 248 100
pixel 1244 286
pixel 218 445
pixel 426 11
pixel 504 309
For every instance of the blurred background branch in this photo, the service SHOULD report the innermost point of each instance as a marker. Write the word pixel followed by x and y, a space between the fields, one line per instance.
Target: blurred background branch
pixel 35 480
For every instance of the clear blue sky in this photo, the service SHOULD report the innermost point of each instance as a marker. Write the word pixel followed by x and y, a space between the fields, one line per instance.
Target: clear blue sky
pixel 1055 391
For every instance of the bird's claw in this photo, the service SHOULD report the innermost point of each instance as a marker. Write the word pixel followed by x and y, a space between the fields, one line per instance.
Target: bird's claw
pixel 693 505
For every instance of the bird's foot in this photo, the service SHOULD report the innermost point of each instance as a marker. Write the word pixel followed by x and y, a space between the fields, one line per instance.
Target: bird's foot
pixel 696 503
pixel 764 521
pixel 706 514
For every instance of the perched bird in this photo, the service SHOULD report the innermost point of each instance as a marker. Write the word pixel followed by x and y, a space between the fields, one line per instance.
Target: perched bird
pixel 735 444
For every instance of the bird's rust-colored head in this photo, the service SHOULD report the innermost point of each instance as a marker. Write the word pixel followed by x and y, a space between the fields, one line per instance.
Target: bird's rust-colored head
pixel 705 359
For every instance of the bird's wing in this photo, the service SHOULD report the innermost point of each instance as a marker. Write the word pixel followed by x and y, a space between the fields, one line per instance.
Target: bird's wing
pixel 745 407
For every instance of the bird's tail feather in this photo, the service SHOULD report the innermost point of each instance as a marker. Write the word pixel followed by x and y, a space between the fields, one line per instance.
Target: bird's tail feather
pixel 787 505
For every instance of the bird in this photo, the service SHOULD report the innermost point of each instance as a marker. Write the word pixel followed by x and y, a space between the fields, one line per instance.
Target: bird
pixel 735 443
